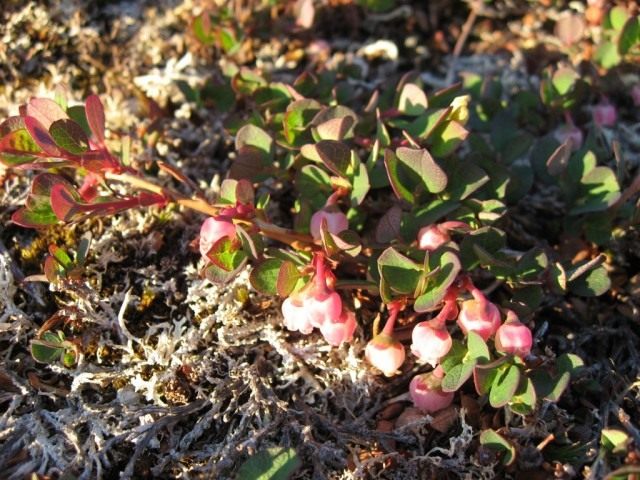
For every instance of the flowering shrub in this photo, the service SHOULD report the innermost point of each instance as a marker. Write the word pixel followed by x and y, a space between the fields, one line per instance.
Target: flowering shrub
pixel 396 193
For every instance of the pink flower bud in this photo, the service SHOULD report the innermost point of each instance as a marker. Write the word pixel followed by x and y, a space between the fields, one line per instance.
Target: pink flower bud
pixel 322 306
pixel 604 114
pixel 212 230
pixel 635 94
pixel 479 316
pixel 295 316
pixel 431 237
pixel 513 337
pixel 430 344
pixel 568 131
pixel 426 393
pixel 341 330
pixel 385 353
pixel 336 221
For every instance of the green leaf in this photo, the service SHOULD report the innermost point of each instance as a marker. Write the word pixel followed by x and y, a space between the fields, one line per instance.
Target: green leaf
pixel 335 155
pixel 457 376
pixel 552 387
pixel 524 400
pixel 617 18
pixel 256 137
pixel 202 29
pixel 607 55
pixel 477 348
pixel 592 284
pixel 630 35
pixel 264 276
pixel 412 100
pixel 483 378
pixel 392 166
pixel 276 463
pixel 598 190
pixel 69 136
pixel 359 181
pixel 504 386
pixel 426 124
pixel 454 357
pixel 226 255
pixel 314 186
pixel 287 279
pixel 489 239
pixel 401 273
pixel 493 440
pixel 47 349
pixel 447 138
pixel 464 179
pixel 614 440
pixel 335 129
pixel 435 287
pixel 421 163
pixel 17 147
pixel 564 80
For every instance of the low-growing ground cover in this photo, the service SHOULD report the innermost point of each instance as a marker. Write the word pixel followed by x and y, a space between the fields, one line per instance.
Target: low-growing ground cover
pixel 333 239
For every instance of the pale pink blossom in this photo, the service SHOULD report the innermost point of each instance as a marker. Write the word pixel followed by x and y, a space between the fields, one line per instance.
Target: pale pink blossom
pixel 336 221
pixel 295 315
pixel 426 392
pixel 385 353
pixel 480 316
pixel 430 344
pixel 513 337
pixel 338 331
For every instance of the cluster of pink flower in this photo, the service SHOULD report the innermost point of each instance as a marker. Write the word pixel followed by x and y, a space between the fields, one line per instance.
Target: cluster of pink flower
pixel 431 339
pixel 318 305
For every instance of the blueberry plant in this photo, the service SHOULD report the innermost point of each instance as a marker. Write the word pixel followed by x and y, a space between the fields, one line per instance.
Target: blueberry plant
pixel 400 202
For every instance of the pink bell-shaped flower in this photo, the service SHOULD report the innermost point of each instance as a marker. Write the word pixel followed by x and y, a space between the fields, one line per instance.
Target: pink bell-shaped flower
pixel 340 330
pixel 635 94
pixel 513 337
pixel 385 353
pixel 321 302
pixel 605 114
pixel 426 392
pixel 431 237
pixel 569 131
pixel 336 221
pixel 479 315
pixel 430 344
pixel 212 230
pixel 295 315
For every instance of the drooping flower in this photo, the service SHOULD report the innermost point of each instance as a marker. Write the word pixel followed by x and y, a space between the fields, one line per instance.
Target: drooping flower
pixel 513 337
pixel 430 344
pixel 426 392
pixel 295 315
pixel 433 236
pixel 385 353
pixel 336 221
pixel 479 315
pixel 340 330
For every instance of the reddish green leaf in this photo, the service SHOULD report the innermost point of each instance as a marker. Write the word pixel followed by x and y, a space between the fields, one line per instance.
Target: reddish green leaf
pixel 69 136
pixel 64 202
pixel 413 100
pixel 421 163
pixel 336 156
pixel 95 117
pixel 495 441
pixel 264 276
pixel 45 111
pixel 41 136
pixel 17 148
pixel 288 277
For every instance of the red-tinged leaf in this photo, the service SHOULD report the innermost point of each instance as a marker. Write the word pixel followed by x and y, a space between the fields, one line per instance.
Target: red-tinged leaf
pixel 389 225
pixel 18 148
pixel 413 100
pixel 45 110
pixel 11 124
pixel 95 117
pixel 98 161
pixel 336 156
pixel 392 166
pixel 64 203
pixel 244 192
pixel 34 218
pixel 41 136
pixel 559 159
pixel 336 128
pixel 288 277
pixel 61 256
pixel 422 164
pixel 52 269
pixel 69 136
